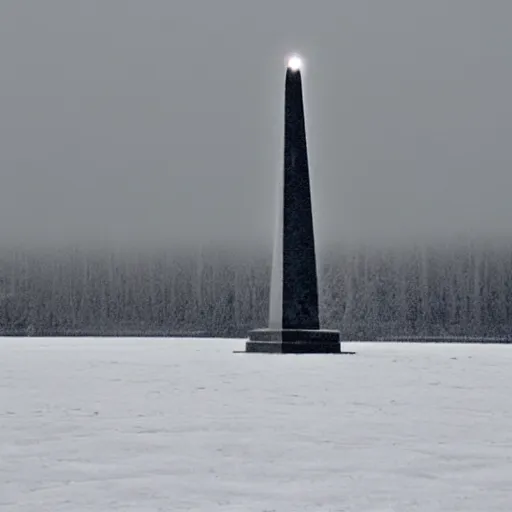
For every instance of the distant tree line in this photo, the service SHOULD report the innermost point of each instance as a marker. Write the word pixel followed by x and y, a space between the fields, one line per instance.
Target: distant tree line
pixel 366 293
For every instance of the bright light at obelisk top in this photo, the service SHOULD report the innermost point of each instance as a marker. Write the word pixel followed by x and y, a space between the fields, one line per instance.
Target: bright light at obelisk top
pixel 295 63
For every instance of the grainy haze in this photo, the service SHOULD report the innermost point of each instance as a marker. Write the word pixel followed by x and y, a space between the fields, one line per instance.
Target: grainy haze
pixel 152 121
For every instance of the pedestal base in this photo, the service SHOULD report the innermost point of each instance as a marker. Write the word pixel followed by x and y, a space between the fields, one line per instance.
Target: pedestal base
pixel 293 341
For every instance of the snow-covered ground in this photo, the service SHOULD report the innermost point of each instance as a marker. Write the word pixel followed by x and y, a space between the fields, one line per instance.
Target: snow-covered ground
pixel 171 425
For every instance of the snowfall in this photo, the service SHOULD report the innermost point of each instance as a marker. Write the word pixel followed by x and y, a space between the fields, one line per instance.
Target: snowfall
pixel 189 425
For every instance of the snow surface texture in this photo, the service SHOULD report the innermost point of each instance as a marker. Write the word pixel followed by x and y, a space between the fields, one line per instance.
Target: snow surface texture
pixel 171 425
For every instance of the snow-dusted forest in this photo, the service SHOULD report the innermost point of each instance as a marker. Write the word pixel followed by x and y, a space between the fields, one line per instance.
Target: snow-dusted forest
pixel 463 289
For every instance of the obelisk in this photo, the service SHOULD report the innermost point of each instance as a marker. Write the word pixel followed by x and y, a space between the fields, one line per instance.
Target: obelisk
pixel 294 325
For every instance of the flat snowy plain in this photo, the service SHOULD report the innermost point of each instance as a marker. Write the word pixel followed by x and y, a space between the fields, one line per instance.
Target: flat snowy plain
pixel 186 424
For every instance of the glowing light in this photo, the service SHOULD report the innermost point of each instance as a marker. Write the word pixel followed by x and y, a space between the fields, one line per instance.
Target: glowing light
pixel 294 63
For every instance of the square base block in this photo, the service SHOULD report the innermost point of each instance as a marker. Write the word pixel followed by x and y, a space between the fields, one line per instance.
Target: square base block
pixel 293 341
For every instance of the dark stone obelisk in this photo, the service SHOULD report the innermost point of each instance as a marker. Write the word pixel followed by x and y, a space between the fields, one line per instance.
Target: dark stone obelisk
pixel 294 325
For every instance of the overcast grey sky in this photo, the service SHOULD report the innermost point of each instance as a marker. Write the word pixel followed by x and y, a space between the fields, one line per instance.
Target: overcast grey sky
pixel 151 120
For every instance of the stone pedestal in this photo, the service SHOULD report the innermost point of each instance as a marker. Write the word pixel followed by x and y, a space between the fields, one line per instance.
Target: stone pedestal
pixel 294 341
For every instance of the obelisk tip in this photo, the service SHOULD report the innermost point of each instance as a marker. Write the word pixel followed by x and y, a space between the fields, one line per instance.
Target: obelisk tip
pixel 294 63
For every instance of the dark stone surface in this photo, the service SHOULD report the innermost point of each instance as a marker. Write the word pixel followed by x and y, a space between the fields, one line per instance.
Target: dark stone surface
pixel 294 341
pixel 300 287
pixel 278 347
pixel 295 335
